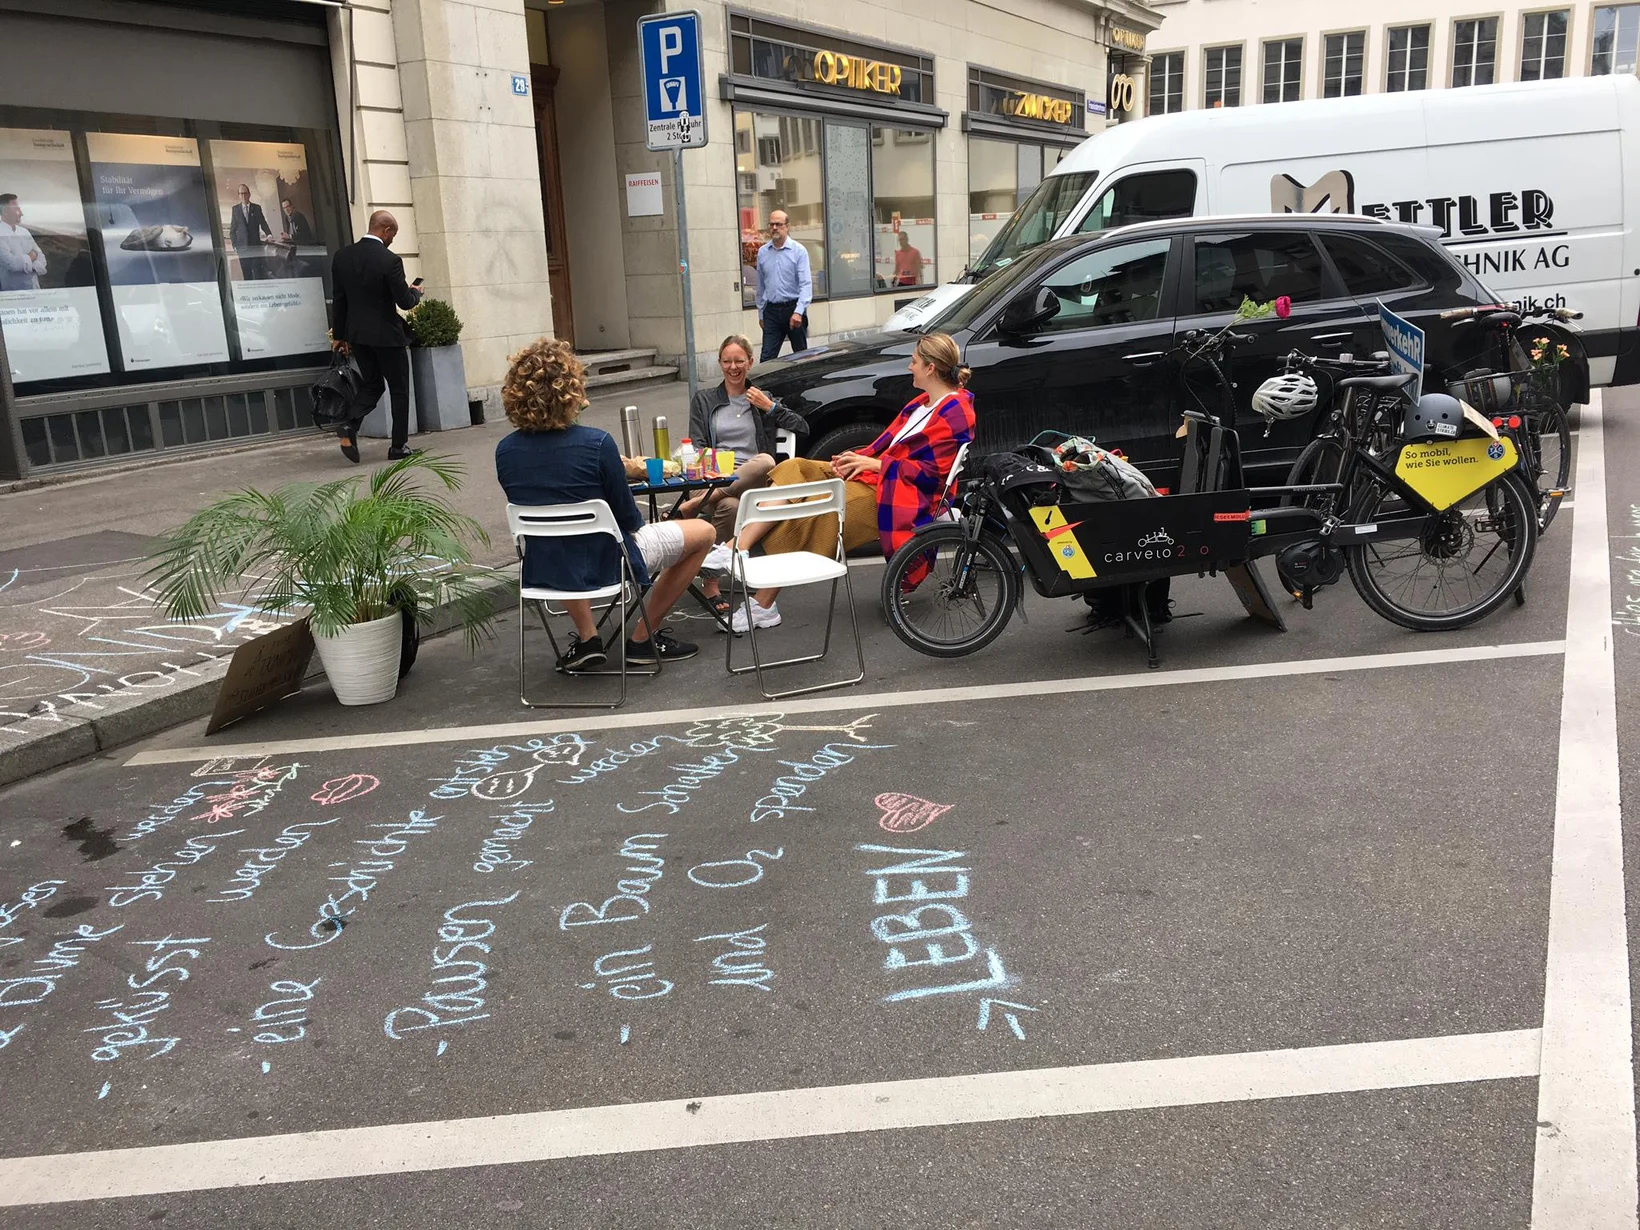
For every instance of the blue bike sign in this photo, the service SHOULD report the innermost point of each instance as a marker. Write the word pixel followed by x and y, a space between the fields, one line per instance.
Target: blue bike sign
pixel 1406 347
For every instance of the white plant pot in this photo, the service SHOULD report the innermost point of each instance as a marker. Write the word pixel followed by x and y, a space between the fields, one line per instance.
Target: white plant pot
pixel 362 661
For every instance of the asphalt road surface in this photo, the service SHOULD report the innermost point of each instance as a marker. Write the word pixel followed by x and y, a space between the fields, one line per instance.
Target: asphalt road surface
pixel 1324 928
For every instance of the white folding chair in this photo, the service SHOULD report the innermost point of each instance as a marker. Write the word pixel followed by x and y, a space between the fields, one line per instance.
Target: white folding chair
pixel 582 520
pixel 785 444
pixel 752 573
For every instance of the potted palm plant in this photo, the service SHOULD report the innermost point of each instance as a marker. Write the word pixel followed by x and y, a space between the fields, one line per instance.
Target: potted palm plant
pixel 357 562
pixel 435 365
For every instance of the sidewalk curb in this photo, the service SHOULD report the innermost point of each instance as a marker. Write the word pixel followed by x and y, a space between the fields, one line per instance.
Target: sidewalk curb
pixel 87 729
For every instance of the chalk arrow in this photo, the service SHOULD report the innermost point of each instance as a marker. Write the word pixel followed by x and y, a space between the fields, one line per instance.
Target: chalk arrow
pixel 1013 1021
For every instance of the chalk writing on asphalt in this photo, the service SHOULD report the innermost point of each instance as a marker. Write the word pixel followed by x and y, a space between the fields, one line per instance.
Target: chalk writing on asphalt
pixel 31 898
pixel 153 880
pixel 627 977
pixel 932 934
pixel 457 997
pixel 1627 614
pixel 734 872
pixel 786 789
pixel 129 1016
pixel 284 1019
pixel 343 789
pixel 361 877
pixel 248 876
pixel 48 970
pixel 743 965
pixel 906 813
pixel 250 794
pixel 498 851
pixel 631 899
pixel 479 771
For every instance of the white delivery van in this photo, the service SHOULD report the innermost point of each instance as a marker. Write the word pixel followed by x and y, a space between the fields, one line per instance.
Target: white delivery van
pixel 1534 186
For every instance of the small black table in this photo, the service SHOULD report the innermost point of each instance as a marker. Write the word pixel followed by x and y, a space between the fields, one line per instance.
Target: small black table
pixel 683 488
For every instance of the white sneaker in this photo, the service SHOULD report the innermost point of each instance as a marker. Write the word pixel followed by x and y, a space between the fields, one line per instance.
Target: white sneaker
pixel 718 558
pixel 762 616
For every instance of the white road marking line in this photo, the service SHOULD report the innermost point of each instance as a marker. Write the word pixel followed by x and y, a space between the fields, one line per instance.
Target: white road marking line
pixel 1585 1163
pixel 992 1097
pixel 866 701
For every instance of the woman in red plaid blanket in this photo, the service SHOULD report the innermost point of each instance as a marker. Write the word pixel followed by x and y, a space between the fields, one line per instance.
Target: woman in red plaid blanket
pixel 894 484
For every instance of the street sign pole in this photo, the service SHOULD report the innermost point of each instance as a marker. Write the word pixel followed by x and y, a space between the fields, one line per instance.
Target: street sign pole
pixel 683 270
pixel 674 86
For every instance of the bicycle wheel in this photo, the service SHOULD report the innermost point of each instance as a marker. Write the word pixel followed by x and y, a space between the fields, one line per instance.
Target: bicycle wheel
pixel 1463 565
pixel 1552 441
pixel 965 596
pixel 1320 462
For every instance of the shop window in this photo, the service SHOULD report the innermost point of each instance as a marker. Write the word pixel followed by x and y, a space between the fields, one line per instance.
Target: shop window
pixel 1341 75
pixel 786 171
pixel 993 191
pixel 1474 51
pixel 1260 267
pixel 1166 84
pixel 1148 197
pixel 1543 46
pixel 1284 70
pixel 902 206
pixel 1118 285
pixel 1616 38
pixel 1223 76
pixel 1408 64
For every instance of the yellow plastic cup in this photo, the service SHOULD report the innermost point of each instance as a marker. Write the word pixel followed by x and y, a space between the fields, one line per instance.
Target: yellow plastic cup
pixel 726 461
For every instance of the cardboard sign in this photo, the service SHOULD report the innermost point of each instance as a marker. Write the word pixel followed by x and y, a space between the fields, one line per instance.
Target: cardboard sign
pixel 262 671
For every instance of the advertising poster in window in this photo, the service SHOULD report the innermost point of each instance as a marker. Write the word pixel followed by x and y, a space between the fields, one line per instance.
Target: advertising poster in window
pixel 275 255
pixel 156 227
pixel 48 288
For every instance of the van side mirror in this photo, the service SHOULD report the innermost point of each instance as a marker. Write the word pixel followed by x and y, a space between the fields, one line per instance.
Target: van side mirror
pixel 1029 311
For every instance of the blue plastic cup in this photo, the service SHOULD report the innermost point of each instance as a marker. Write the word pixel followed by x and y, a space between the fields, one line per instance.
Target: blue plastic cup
pixel 657 470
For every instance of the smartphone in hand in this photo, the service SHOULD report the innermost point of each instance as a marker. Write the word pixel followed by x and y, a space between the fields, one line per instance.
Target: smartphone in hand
pixel 416 283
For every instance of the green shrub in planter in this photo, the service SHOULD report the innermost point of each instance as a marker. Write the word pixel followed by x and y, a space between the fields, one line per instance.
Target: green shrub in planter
pixel 434 323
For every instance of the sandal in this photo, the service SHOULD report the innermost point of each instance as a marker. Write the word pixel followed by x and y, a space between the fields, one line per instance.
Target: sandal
pixel 720 605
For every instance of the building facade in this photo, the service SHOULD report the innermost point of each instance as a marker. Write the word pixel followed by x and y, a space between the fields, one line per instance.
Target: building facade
pixel 1228 53
pixel 180 172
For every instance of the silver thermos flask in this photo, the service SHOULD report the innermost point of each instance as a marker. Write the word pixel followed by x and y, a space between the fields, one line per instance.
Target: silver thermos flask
pixel 631 433
pixel 663 438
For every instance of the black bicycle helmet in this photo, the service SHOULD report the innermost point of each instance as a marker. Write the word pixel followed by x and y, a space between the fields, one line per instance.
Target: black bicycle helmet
pixel 1437 416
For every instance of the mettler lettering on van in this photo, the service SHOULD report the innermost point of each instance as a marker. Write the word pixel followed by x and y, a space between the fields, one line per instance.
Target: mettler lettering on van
pixel 1470 217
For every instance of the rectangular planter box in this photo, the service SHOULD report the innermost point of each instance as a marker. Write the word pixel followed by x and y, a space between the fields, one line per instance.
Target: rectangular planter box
pixel 440 378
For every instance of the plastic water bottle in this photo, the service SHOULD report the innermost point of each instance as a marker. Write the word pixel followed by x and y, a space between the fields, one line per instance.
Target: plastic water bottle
pixel 689 459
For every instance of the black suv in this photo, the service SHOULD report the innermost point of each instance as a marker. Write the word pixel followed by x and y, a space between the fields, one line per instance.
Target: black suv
pixel 1096 360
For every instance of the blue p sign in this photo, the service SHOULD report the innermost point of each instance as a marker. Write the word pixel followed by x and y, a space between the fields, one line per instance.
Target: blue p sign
pixel 674 99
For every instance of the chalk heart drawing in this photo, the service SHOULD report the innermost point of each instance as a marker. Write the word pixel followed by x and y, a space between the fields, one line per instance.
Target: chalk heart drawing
pixel 341 789
pixel 906 813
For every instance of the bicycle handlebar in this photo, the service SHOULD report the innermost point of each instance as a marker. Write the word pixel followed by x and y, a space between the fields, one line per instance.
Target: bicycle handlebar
pixel 1565 315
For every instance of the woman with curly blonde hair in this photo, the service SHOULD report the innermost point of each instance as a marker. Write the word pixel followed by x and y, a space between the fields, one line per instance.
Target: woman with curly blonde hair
pixel 553 459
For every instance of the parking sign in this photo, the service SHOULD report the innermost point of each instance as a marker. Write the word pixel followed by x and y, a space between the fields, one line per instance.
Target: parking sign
pixel 674 98
pixel 1406 346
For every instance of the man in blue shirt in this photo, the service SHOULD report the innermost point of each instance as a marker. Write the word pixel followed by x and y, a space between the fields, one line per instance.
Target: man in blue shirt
pixel 784 288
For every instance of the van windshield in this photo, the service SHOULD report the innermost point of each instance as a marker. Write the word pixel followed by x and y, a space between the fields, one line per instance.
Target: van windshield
pixel 1035 221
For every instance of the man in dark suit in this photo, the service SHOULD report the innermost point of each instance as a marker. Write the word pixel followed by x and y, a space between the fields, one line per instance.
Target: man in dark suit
pixel 245 231
pixel 369 287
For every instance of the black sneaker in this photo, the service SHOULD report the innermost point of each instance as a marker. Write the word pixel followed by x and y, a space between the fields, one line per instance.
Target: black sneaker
pixel 399 454
pixel 582 655
pixel 350 447
pixel 643 653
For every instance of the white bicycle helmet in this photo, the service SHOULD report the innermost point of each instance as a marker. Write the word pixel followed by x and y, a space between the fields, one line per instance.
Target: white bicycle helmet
pixel 1288 395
